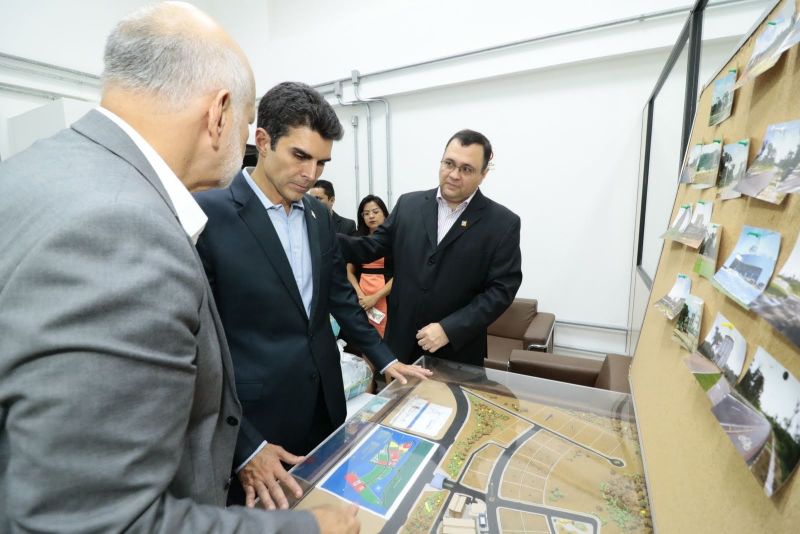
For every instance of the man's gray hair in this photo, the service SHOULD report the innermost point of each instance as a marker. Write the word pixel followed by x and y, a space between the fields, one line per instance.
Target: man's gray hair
pixel 145 53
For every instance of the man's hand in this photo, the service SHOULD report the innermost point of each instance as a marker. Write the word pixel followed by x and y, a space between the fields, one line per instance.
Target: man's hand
pixel 432 337
pixel 337 519
pixel 367 302
pixel 400 371
pixel 262 476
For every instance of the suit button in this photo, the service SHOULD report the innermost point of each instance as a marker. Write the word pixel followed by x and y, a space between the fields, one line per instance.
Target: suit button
pixel 231 420
pixel 431 260
pixel 424 289
pixel 314 376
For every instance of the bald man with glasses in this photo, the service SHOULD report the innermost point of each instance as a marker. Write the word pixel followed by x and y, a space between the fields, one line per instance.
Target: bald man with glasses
pixel 457 259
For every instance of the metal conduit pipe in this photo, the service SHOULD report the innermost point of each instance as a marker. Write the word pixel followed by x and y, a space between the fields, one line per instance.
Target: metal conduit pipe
pixel 354 122
pixel 338 92
pixel 356 78
pixel 325 87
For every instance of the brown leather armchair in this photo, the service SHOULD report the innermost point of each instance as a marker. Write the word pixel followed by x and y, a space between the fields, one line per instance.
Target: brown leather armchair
pixel 610 373
pixel 521 327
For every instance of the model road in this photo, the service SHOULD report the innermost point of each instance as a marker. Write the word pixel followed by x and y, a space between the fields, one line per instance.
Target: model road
pixel 400 516
pixel 492 504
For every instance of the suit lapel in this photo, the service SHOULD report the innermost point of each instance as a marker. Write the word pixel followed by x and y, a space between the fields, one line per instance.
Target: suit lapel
pixel 100 129
pixel 312 228
pixel 468 219
pixel 430 217
pixel 252 213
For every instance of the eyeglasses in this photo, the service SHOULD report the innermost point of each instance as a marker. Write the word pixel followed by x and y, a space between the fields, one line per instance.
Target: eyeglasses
pixel 466 171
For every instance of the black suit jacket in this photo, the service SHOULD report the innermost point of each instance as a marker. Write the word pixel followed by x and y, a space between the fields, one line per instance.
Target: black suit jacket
pixel 282 359
pixel 464 283
pixel 343 225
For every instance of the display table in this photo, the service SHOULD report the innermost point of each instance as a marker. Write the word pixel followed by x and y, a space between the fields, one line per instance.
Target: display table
pixel 480 450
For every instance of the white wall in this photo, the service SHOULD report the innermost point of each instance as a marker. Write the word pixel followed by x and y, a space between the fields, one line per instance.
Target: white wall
pixel 71 35
pixel 563 112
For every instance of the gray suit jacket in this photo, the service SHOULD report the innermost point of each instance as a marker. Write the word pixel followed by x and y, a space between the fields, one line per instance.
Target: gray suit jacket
pixel 117 403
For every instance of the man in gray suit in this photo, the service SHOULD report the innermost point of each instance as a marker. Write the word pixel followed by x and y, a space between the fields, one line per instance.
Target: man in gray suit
pixel 117 402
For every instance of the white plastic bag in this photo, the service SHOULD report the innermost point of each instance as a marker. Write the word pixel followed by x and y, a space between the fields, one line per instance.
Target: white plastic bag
pixel 356 374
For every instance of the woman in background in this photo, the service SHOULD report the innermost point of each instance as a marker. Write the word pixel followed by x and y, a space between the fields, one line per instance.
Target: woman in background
pixel 372 281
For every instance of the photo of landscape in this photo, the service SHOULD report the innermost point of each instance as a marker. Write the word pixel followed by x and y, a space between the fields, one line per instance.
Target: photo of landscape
pixel 672 303
pixel 681 222
pixel 776 163
pixel 769 44
pixel 708 165
pixel 695 232
pixel 726 347
pixel 722 98
pixel 705 372
pixel 706 263
pixel 779 305
pixel 734 165
pixel 745 273
pixel 690 163
pixel 761 420
pixel 687 326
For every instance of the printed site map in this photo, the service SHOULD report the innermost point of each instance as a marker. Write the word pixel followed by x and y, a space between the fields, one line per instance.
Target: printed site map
pixel 446 457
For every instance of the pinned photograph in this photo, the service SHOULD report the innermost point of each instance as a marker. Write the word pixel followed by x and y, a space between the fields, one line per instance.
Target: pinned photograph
pixel 734 165
pixel 672 303
pixel 793 35
pixel 708 166
pixel 761 420
pixel 705 372
pixel 722 98
pixel 695 232
pixel 779 305
pixel 681 222
pixel 777 162
pixel 687 327
pixel 690 163
pixel 706 263
pixel 745 274
pixel 726 347
pixel 769 44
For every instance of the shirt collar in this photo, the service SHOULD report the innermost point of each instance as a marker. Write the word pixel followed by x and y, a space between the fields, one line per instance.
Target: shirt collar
pixel 442 201
pixel 268 204
pixel 190 215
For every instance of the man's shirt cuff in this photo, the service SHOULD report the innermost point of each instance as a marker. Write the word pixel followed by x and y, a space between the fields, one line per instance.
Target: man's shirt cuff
pixel 389 365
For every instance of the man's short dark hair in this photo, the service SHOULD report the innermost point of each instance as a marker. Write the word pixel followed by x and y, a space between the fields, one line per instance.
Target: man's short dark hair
pixel 294 104
pixel 471 137
pixel 326 186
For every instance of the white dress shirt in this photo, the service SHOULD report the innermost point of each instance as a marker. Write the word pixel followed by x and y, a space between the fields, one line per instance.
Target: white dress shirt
pixel 190 214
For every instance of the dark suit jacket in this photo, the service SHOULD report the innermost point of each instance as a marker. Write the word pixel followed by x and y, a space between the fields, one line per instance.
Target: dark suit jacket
pixel 464 283
pixel 282 359
pixel 343 225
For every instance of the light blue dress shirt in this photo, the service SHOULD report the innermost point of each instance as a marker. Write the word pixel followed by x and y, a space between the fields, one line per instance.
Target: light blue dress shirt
pixel 292 231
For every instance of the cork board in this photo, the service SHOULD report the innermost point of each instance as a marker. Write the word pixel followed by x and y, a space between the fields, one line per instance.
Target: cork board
pixel 697 481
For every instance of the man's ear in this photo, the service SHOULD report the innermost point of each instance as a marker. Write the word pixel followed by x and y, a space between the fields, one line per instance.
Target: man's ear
pixel 218 116
pixel 263 141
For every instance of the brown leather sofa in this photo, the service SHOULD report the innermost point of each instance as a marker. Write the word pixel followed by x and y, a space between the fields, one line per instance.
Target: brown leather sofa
pixel 521 327
pixel 611 373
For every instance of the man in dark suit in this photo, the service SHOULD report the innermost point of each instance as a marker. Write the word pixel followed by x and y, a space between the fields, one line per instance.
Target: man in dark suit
pixel 457 262
pixel 275 268
pixel 323 191
pixel 117 403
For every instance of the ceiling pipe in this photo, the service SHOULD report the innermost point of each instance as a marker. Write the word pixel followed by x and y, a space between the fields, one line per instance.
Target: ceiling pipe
pixel 356 79
pixel 337 90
